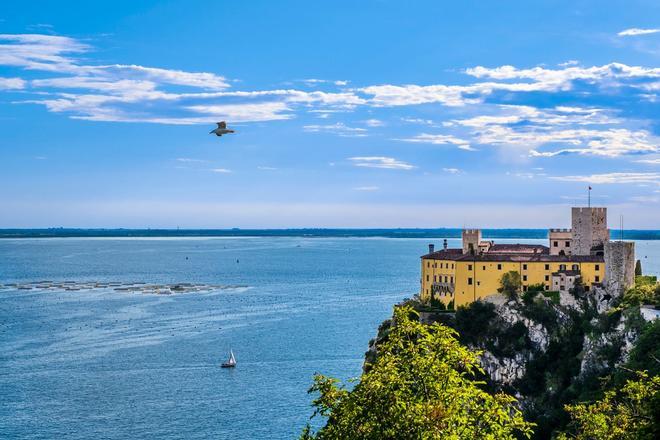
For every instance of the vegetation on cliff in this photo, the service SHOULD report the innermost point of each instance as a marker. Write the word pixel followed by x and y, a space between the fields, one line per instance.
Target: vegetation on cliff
pixel 422 385
pixel 575 365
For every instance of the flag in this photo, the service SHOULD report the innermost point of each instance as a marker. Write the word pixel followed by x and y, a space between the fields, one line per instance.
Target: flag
pixel 589 188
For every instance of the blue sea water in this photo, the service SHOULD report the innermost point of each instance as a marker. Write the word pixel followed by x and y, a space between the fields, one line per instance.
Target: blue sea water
pixel 115 365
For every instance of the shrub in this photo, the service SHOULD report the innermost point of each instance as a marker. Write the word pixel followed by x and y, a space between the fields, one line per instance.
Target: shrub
pixel 510 284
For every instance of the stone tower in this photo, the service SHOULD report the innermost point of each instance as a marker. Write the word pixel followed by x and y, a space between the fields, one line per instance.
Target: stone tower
pixel 589 230
pixel 471 239
pixel 619 266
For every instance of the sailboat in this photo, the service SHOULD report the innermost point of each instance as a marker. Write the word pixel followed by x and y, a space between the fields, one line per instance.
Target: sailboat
pixel 231 363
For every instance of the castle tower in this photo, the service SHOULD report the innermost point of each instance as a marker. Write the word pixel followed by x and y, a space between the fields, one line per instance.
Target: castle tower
pixel 561 241
pixel 471 240
pixel 589 230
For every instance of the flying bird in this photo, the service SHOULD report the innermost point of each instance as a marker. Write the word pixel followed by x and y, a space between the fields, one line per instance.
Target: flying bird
pixel 222 129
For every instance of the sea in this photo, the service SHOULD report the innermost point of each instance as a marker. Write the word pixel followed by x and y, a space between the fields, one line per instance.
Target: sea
pixel 114 364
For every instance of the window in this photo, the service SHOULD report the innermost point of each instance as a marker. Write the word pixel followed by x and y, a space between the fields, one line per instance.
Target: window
pixel 524 267
pixel 435 278
pixel 470 268
pixel 469 281
pixel 562 267
pixel 555 244
pixel 597 278
pixel 499 267
pixel 547 267
pixel 524 277
pixel 445 278
pixel 427 278
pixel 451 280
pixel 576 267
pixel 597 267
pixel 524 288
pixel 452 265
pixel 568 244
pixel 547 277
pixel 428 264
pixel 484 267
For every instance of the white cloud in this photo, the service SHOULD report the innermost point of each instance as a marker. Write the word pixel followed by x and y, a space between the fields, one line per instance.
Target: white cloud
pixel 12 83
pixel 374 123
pixel 380 162
pixel 608 178
pixel 440 139
pixel 221 170
pixel 604 143
pixel 339 129
pixel 419 121
pixel 263 168
pixel 452 170
pixel 366 188
pixel 649 161
pixel 261 111
pixel 633 32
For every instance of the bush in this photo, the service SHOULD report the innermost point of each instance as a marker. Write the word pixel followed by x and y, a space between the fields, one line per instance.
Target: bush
pixel 510 284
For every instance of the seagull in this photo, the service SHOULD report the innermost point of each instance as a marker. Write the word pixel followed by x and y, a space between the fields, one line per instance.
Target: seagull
pixel 222 129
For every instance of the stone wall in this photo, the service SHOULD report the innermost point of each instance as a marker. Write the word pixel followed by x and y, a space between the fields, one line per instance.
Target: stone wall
pixel 589 229
pixel 471 240
pixel 619 266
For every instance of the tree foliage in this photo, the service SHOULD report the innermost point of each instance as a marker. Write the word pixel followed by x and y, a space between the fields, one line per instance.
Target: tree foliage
pixel 421 386
pixel 630 413
pixel 645 291
pixel 510 284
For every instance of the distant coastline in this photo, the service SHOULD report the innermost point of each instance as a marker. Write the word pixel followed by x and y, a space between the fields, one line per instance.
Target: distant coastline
pixel 300 232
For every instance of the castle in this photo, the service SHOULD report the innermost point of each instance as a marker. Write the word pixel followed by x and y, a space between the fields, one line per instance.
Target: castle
pixel 465 274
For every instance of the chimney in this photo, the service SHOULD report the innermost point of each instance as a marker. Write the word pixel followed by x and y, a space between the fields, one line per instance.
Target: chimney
pixel 444 244
pixel 431 248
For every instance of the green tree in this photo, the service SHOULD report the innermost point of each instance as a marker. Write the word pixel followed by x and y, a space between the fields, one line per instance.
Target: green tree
pixel 510 284
pixel 631 413
pixel 643 292
pixel 638 268
pixel 421 386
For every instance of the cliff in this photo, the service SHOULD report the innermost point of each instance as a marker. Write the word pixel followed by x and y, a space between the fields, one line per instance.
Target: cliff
pixel 547 349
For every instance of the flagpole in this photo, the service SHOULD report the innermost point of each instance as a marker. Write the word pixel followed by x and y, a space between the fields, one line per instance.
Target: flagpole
pixel 589 197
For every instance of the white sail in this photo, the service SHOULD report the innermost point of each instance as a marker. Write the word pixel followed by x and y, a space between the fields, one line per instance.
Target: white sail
pixel 232 359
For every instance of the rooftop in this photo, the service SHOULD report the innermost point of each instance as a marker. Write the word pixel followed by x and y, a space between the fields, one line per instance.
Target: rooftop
pixel 512 252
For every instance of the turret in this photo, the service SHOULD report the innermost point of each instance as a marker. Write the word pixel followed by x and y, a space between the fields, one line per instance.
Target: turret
pixel 471 240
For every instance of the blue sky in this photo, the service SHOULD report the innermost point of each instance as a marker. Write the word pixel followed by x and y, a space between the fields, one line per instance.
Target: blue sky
pixel 348 114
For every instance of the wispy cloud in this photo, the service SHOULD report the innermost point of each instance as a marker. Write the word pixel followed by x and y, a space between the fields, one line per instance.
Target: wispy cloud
pixel 366 188
pixel 452 170
pixel 374 123
pixel 649 161
pixel 645 199
pixel 221 170
pixel 633 32
pixel 380 162
pixel 609 178
pixel 440 139
pixel 264 168
pixel 12 83
pixel 340 129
